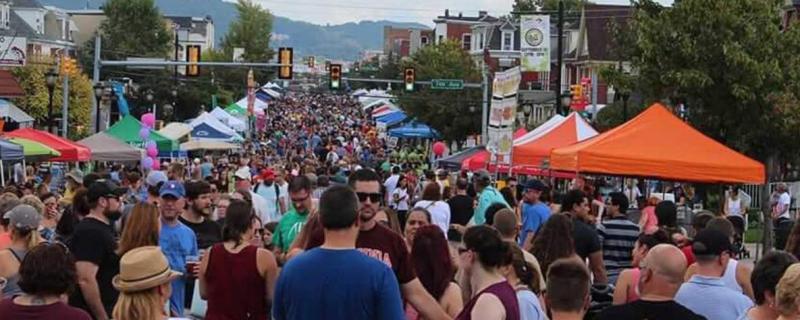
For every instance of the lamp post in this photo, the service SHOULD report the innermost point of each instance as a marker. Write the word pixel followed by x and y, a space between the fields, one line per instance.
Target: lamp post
pixel 113 97
pixel 526 110
pixel 99 89
pixel 50 78
pixel 149 98
pixel 625 95
pixel 566 101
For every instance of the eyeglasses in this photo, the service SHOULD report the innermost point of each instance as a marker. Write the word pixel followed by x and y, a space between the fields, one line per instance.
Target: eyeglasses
pixel 373 197
pixel 298 200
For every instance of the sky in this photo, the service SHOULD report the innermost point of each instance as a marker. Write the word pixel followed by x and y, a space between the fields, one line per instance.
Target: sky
pixel 422 11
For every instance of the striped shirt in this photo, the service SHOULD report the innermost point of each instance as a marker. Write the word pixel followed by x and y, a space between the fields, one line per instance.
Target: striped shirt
pixel 618 236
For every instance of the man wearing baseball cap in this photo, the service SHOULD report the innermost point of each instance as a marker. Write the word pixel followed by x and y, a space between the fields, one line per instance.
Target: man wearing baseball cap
pixel 534 212
pixel 177 241
pixel 271 193
pixel 94 245
pixel 487 195
pixel 243 179
pixel 705 293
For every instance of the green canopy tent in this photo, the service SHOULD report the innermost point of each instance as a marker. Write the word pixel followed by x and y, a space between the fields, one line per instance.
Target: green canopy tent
pixel 33 149
pixel 235 110
pixel 127 130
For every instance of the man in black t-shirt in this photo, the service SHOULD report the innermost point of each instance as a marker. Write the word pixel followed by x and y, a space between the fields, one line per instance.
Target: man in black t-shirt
pixel 94 246
pixel 196 217
pixel 587 242
pixel 461 205
pixel 661 276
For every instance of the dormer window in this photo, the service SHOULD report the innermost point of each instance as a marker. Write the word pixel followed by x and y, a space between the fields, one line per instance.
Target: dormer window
pixel 5 15
pixel 508 41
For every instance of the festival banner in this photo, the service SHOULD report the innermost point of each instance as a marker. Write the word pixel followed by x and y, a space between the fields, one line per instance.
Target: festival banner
pixel 535 43
pixel 500 140
pixel 506 83
pixel 503 112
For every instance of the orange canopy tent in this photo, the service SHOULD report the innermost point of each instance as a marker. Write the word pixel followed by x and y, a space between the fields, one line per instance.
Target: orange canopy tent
pixel 659 145
pixel 70 151
pixel 478 160
pixel 531 150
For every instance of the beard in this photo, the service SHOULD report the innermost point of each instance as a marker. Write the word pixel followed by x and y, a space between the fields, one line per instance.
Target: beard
pixel 205 212
pixel 366 214
pixel 112 215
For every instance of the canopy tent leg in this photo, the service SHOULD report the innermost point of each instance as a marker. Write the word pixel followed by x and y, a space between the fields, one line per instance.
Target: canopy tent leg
pixel 2 173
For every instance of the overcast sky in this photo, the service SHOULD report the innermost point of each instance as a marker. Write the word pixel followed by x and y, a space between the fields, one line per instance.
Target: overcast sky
pixel 341 11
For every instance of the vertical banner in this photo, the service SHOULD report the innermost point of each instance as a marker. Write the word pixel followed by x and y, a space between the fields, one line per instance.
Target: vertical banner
pixel 535 43
pixel 500 140
pixel 502 112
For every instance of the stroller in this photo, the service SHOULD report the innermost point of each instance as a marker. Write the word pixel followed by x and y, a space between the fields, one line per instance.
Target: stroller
pixel 739 249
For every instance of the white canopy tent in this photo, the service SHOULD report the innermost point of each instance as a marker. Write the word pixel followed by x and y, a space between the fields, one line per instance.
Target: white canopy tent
pixel 229 120
pixel 206 118
pixel 208 145
pixel 175 130
pixel 258 105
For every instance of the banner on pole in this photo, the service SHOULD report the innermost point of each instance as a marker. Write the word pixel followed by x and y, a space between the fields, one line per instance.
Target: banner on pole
pixel 500 140
pixel 503 112
pixel 506 83
pixel 535 43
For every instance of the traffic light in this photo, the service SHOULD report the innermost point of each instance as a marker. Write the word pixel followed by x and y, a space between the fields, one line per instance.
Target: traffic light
pixel 356 66
pixel 409 79
pixel 68 65
pixel 192 55
pixel 285 57
pixel 576 91
pixel 336 76
pixel 327 65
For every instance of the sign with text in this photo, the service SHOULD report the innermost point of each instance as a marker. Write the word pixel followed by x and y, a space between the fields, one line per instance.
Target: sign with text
pixel 447 84
pixel 500 140
pixel 535 43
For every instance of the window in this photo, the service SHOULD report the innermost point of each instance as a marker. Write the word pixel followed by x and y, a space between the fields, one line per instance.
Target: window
pixel 466 41
pixel 5 12
pixel 441 38
pixel 480 41
pixel 508 41
pixel 424 41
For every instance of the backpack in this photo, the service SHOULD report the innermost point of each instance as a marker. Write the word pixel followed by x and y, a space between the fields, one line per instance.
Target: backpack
pixel 277 194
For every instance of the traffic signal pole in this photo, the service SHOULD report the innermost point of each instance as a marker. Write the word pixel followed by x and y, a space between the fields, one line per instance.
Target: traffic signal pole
pixel 65 106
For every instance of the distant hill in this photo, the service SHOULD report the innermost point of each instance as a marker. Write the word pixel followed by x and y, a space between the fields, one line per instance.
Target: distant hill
pixel 345 41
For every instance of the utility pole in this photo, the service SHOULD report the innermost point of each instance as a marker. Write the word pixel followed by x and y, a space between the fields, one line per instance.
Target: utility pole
pixel 65 106
pixel 95 81
pixel 560 49
pixel 485 106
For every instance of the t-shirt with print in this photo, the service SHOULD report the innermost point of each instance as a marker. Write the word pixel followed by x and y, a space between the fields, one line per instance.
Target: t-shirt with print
pixel 94 241
pixel 288 228
pixel 177 242
pixel 59 310
pixel 379 242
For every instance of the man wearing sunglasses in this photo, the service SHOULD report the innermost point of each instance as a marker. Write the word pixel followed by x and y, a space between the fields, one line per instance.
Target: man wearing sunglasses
pixel 380 242
pixel 293 221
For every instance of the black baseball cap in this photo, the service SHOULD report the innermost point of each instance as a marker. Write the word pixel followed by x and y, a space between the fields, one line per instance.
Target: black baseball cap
pixel 710 242
pixel 534 184
pixel 105 188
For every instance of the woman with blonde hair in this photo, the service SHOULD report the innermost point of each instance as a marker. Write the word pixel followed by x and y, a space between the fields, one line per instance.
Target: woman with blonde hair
pixel 23 222
pixel 144 285
pixel 787 295
pixel 142 228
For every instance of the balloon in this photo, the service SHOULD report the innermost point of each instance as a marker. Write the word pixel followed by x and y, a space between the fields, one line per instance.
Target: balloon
pixel 150 144
pixel 152 152
pixel 147 163
pixel 438 148
pixel 156 164
pixel 149 120
pixel 144 133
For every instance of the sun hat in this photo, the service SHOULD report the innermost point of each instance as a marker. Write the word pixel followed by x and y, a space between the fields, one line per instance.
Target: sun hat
pixel 76 175
pixel 143 268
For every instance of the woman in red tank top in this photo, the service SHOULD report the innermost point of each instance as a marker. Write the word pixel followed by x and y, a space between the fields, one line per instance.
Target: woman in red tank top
pixel 236 278
pixel 483 252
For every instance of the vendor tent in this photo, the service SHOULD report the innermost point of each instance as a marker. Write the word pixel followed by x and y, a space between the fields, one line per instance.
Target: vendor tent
pixel 176 131
pixel 455 161
pixel 257 104
pixel 532 150
pixel 10 151
pixel 229 120
pixel 127 131
pixel 70 151
pixel 107 148
pixel 479 159
pixel 207 127
pixel 236 111
pixel 414 129
pixel 208 145
pixel 33 149
pixel 384 110
pixel 658 144
pixel 13 113
pixel 392 118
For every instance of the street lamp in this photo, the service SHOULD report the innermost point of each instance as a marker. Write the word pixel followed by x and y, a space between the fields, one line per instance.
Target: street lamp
pixel 625 95
pixel 566 101
pixel 99 89
pixel 149 98
pixel 526 110
pixel 50 78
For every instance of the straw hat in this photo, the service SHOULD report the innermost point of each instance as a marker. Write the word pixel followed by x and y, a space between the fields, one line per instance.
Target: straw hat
pixel 143 268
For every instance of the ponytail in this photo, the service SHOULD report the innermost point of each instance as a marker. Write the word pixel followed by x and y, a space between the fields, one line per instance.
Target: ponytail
pixel 525 271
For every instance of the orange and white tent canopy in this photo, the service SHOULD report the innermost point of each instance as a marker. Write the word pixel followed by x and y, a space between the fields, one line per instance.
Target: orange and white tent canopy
pixel 533 148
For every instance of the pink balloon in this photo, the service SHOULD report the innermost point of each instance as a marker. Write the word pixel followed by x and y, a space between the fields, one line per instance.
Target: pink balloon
pixel 152 152
pixel 149 120
pixel 439 148
pixel 156 165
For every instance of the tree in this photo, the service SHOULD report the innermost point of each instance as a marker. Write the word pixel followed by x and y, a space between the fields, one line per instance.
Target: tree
pixel 36 99
pixel 524 5
pixel 135 28
pixel 455 114
pixel 251 31
pixel 570 6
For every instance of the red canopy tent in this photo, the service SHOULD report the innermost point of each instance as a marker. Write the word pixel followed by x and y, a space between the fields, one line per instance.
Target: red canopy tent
pixel 479 159
pixel 70 151
pixel 659 145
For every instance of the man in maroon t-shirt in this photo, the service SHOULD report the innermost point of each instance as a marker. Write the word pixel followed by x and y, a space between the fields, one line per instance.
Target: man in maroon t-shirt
pixel 380 242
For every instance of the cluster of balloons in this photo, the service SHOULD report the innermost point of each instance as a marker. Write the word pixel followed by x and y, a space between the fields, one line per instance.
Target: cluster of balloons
pixel 150 161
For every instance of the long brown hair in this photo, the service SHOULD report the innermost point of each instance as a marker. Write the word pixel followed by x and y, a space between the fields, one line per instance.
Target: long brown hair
pixel 554 241
pixel 141 229
pixel 793 243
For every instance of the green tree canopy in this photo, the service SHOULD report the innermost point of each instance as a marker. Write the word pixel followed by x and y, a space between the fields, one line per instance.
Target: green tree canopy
pixel 455 114
pixel 134 28
pixel 251 31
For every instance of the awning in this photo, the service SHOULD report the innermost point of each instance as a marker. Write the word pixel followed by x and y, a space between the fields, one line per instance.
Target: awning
pixel 532 149
pixel 229 120
pixel 657 144
pixel 10 150
pixel 70 151
pixel 175 130
pixel 454 161
pixel 392 118
pixel 208 145
pixel 107 148
pixel 9 87
pixel 35 149
pixel 10 110
pixel 127 130
pixel 414 129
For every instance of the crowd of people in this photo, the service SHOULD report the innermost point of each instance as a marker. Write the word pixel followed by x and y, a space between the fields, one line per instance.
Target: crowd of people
pixel 319 219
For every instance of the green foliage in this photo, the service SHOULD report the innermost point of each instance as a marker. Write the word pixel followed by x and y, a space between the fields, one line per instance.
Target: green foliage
pixel 728 61
pixel 570 6
pixel 446 111
pixel 251 31
pixel 612 115
pixel 135 28
pixel 36 99
pixel 524 5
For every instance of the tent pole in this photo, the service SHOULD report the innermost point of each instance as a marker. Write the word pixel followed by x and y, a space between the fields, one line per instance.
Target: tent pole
pixel 2 173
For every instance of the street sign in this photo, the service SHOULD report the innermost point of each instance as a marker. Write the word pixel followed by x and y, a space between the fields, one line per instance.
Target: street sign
pixel 447 84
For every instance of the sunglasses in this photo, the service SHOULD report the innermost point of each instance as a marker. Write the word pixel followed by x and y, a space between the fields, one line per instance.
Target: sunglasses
pixel 373 197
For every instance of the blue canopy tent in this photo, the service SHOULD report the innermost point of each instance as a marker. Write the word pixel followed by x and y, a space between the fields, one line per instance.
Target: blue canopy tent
pixel 414 129
pixel 263 96
pixel 9 151
pixel 392 118
pixel 206 131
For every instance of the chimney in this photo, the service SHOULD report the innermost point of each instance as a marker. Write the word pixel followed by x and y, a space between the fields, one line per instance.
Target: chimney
pixel 459 15
pixel 482 14
pixel 446 12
